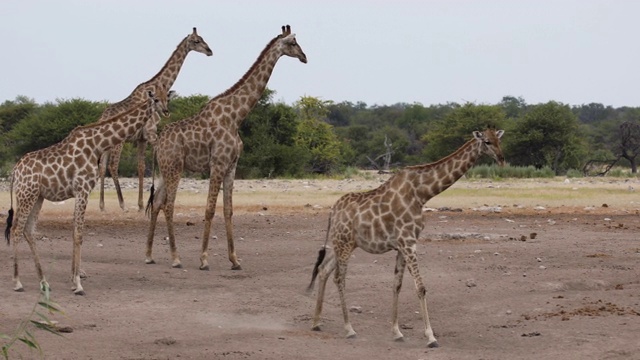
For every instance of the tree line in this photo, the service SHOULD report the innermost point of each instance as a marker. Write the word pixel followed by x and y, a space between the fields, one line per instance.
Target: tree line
pixel 316 136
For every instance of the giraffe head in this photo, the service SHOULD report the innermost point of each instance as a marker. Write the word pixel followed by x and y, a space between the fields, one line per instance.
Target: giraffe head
pixel 490 143
pixel 158 100
pixel 289 46
pixel 195 42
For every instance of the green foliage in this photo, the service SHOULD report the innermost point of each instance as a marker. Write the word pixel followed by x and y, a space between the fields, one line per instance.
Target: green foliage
pixel 548 135
pixel 315 137
pixel 24 332
pixel 457 127
pixel 268 136
pixel 51 123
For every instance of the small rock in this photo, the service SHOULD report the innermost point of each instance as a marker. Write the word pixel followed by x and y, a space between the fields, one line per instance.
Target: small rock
pixel 533 235
pixel 356 309
pixel 471 283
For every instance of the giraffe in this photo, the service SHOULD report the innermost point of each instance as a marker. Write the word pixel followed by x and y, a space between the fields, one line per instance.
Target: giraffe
pixel 390 218
pixel 209 141
pixel 165 77
pixel 69 169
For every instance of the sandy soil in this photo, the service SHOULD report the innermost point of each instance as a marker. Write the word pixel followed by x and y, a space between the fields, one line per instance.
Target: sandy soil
pixel 495 290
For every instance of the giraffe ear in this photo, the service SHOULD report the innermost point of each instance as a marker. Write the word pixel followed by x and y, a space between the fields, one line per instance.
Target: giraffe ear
pixel 499 133
pixel 478 135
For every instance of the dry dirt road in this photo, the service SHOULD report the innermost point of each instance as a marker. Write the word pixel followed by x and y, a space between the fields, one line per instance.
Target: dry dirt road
pixel 495 291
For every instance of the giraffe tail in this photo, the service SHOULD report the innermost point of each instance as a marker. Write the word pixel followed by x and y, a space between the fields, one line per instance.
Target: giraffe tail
pixel 321 254
pixel 7 231
pixel 149 209
pixel 156 198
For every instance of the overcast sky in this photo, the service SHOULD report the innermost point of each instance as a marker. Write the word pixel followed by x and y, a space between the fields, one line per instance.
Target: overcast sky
pixel 378 52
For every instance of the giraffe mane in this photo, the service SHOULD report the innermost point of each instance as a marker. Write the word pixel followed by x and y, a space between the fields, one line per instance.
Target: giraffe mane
pixel 446 158
pixel 244 77
pixel 155 77
pixel 107 121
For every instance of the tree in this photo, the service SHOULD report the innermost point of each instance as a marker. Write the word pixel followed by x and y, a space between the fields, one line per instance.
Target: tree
pixel 548 135
pixel 316 137
pixel 269 146
pixel 11 113
pixel 629 147
pixel 513 107
pixel 51 123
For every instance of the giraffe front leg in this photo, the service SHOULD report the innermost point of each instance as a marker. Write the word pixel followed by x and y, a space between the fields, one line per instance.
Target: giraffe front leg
pixel 397 285
pixel 410 257
pixel 215 181
pixel 78 227
pixel 228 219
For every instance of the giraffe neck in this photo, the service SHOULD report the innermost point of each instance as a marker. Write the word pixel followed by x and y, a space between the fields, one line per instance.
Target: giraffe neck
pixel 169 72
pixel 165 77
pixel 244 94
pixel 102 136
pixel 434 178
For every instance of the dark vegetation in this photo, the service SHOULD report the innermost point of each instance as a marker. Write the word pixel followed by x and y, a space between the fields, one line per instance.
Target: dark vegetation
pixel 316 136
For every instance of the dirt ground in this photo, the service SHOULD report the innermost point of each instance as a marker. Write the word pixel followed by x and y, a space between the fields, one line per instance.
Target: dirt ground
pixel 517 281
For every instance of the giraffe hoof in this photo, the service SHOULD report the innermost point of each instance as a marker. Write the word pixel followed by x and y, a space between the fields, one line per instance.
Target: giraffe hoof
pixel 351 335
pixel 80 293
pixel 149 261
pixel 20 289
pixel 177 266
pixel 236 267
pixel 399 339
pixel 433 345
pixel 316 328
pixel 205 268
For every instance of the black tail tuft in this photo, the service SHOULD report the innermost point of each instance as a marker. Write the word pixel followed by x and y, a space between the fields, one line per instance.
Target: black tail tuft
pixel 321 254
pixel 7 231
pixel 149 208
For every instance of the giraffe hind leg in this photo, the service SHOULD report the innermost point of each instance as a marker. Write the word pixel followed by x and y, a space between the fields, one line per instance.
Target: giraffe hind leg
pixel 324 271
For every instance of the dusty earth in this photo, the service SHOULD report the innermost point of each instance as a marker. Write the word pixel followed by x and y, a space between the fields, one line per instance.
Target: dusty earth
pixel 506 279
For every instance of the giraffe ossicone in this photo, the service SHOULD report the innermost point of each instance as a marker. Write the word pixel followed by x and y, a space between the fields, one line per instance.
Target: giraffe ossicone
pixel 209 142
pixel 165 77
pixel 69 169
pixel 390 218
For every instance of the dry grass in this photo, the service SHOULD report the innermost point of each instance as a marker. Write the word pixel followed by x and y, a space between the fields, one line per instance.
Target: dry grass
pixel 560 195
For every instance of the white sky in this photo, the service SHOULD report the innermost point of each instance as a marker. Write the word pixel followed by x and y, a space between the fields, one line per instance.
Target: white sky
pixel 379 52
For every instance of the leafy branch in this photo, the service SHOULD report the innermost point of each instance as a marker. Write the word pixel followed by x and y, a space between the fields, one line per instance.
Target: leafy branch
pixel 36 320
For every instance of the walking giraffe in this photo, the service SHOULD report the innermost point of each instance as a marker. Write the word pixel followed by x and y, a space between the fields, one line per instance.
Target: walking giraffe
pixel 390 218
pixel 165 77
pixel 209 141
pixel 70 169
